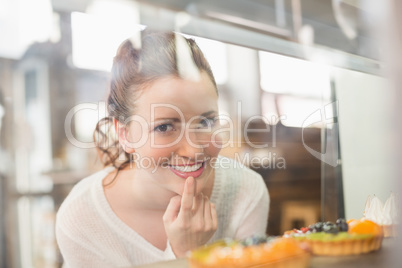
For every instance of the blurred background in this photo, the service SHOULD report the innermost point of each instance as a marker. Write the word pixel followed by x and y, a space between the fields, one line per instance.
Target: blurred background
pixel 306 80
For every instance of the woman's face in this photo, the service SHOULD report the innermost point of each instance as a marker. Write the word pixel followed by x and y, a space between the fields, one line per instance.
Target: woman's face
pixel 174 132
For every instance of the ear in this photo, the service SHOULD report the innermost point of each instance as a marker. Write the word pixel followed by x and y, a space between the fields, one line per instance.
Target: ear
pixel 122 135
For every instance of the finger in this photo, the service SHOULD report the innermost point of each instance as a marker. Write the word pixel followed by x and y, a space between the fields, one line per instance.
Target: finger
pixel 187 199
pixel 207 214
pixel 198 213
pixel 214 216
pixel 198 203
pixel 198 208
pixel 172 209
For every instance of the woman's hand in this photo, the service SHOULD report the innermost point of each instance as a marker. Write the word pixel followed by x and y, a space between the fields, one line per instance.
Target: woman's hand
pixel 190 220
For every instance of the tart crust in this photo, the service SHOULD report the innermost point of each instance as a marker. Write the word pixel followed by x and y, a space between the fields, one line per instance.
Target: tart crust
pixel 345 247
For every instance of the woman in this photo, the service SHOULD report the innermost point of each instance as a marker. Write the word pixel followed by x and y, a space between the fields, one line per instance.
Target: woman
pixel 164 190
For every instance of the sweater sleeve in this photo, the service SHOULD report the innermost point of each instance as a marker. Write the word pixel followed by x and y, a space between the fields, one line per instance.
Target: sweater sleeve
pixel 255 218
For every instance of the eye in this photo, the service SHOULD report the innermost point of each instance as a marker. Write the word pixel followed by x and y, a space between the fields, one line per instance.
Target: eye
pixel 164 128
pixel 208 122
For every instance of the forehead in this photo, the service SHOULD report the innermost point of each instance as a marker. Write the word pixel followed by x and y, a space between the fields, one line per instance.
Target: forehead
pixel 172 94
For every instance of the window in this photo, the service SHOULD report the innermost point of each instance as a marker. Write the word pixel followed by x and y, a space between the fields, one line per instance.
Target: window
pixel 293 89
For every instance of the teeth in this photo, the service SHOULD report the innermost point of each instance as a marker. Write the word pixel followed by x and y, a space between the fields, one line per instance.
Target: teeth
pixel 188 168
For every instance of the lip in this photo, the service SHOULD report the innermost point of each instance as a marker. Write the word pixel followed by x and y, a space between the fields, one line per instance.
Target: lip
pixel 185 175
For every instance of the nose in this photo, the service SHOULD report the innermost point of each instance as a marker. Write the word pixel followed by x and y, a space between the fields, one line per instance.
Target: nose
pixel 190 145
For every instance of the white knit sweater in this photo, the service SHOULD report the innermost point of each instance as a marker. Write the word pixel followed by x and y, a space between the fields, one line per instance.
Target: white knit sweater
pixel 90 234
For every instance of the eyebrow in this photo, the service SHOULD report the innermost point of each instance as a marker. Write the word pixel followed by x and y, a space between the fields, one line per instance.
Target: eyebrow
pixel 175 119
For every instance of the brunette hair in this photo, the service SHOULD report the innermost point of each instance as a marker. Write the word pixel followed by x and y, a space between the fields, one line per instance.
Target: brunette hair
pixel 133 70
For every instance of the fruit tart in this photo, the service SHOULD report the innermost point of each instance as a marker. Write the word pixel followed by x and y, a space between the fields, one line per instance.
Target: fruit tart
pixel 255 252
pixel 340 238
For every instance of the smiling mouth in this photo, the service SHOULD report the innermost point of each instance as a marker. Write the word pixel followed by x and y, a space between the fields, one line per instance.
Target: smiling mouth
pixel 188 168
pixel 186 171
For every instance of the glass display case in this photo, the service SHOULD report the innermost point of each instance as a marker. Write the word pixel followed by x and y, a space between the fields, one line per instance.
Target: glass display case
pixel 304 82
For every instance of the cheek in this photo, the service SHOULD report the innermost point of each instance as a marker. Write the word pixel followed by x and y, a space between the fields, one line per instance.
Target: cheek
pixel 137 136
pixel 214 146
pixel 156 155
pixel 212 150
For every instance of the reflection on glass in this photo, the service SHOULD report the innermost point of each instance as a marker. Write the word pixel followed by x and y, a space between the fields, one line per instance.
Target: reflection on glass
pixel 215 53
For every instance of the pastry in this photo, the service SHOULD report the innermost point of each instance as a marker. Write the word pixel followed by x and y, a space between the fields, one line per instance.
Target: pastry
pixel 340 238
pixel 390 217
pixel 252 252
pixel 384 215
